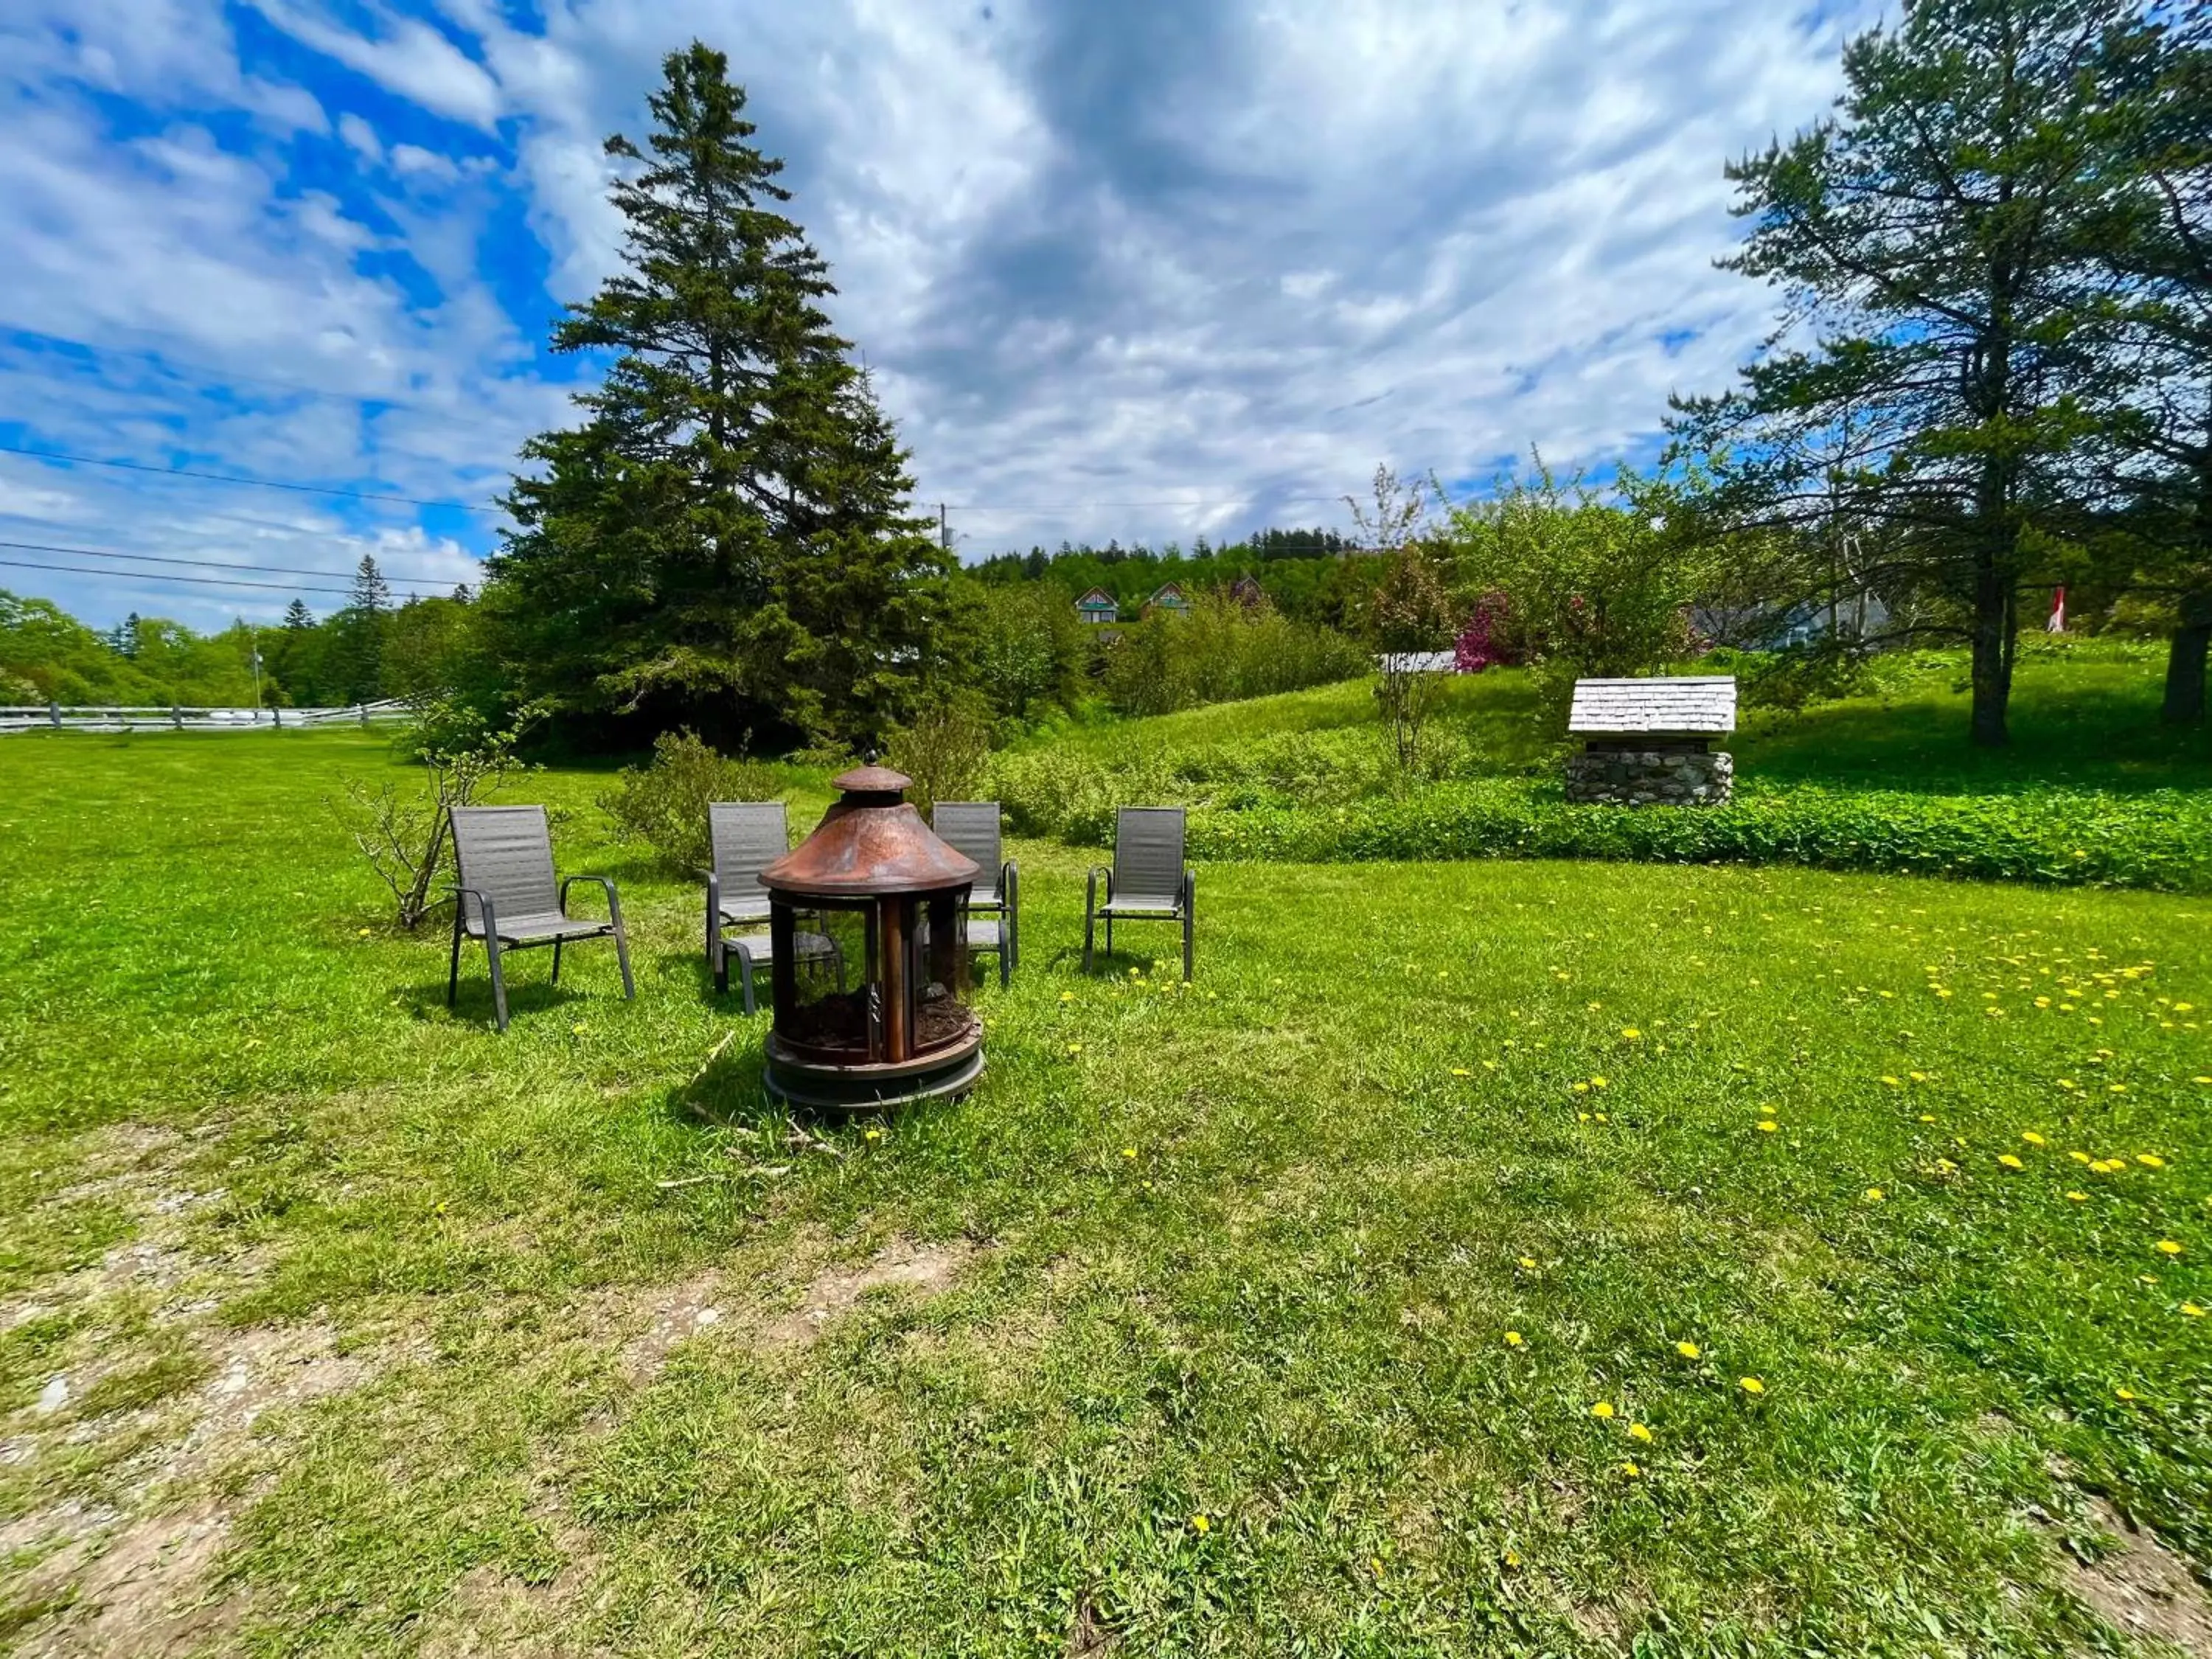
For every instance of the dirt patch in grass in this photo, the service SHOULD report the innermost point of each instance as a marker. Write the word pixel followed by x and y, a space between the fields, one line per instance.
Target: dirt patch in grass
pixel 926 1269
pixel 2143 1587
pixel 142 1590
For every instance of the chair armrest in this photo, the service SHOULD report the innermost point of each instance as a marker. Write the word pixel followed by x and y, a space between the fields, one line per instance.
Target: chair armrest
pixel 713 911
pixel 1090 888
pixel 487 918
pixel 1189 889
pixel 614 904
pixel 1010 886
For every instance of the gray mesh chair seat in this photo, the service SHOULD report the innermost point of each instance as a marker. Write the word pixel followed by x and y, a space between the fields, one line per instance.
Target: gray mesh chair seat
pixel 745 837
pixel 507 896
pixel 541 930
pixel 971 827
pixel 1148 880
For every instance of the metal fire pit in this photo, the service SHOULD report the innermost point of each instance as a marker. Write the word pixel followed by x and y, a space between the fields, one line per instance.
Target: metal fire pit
pixel 868 918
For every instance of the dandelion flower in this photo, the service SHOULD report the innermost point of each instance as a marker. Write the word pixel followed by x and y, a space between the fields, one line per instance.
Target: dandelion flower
pixel 1075 1047
pixel 1513 1340
pixel 1638 1431
pixel 1603 1408
pixel 366 931
pixel 1511 1559
pixel 1917 1077
pixel 2116 1088
pixel 2010 1162
pixel 1129 1152
pixel 1750 1385
pixel 1688 1350
pixel 2078 1198
pixel 2192 1310
pixel 2033 1138
pixel 1632 1471
pixel 1597 1083
pixel 2080 1158
pixel 1631 1033
pixel 2150 1160
pixel 1067 996
pixel 1874 1195
pixel 1768 1126
pixel 2201 1080
pixel 874 1135
pixel 1201 1524
pixel 2167 1246
pixel 1892 1082
pixel 2128 1394
pixel 1462 1071
pixel 1927 1117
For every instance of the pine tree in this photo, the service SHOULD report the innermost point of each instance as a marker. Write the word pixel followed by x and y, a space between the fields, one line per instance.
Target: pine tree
pixel 298 617
pixel 726 539
pixel 1929 236
pixel 360 640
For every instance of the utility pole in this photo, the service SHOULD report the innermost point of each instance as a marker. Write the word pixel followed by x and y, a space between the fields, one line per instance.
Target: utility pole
pixel 944 535
pixel 253 650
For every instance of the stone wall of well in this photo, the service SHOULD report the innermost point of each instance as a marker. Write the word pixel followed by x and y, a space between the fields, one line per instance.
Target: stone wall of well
pixel 1650 777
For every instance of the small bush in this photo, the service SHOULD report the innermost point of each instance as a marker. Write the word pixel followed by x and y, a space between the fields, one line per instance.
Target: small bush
pixel 665 805
pixel 943 750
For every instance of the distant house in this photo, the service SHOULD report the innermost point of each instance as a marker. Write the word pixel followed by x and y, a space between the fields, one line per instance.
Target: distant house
pixel 1247 592
pixel 1097 607
pixel 1169 598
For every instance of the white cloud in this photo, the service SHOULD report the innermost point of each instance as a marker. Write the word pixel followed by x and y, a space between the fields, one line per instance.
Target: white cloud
pixel 406 55
pixel 1223 254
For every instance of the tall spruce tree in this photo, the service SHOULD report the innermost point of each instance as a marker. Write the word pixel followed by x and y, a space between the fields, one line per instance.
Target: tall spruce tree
pixel 2155 235
pixel 724 540
pixel 1929 236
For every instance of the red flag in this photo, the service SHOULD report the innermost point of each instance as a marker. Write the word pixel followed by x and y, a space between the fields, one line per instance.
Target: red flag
pixel 2058 622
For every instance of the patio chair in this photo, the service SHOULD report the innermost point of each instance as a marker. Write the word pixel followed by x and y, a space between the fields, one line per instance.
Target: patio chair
pixel 972 827
pixel 1148 881
pixel 746 837
pixel 505 895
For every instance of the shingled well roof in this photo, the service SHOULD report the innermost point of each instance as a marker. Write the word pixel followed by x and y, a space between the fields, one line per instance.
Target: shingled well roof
pixel 1688 704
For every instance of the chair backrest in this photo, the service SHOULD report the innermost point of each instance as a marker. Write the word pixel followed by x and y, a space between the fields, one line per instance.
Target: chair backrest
pixel 506 853
pixel 971 827
pixel 748 836
pixel 1148 851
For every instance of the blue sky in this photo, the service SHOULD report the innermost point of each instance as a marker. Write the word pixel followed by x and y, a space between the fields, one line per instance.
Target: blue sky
pixel 1138 271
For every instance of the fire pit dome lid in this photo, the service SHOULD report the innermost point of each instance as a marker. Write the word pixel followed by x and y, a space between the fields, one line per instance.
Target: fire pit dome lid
pixel 872 841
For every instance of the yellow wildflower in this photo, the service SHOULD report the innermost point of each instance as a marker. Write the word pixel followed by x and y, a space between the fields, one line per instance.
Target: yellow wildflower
pixel 1638 1431
pixel 2150 1160
pixel 1632 1471
pixel 1892 1082
pixel 1201 1524
pixel 1631 1033
pixel 1513 1338
pixel 1874 1195
pixel 1750 1385
pixel 2033 1138
pixel 1688 1350
pixel 2010 1162
pixel 1768 1126
pixel 2192 1310
pixel 2078 1198
pixel 2167 1246
pixel 1529 1261
pixel 1603 1408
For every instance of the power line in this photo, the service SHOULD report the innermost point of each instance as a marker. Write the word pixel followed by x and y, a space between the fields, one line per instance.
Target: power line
pixel 156 576
pixel 202 564
pixel 232 478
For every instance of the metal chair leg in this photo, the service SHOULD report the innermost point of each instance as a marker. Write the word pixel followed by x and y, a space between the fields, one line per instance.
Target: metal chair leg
pixel 498 980
pixel 746 976
pixel 556 961
pixel 622 955
pixel 721 960
pixel 453 969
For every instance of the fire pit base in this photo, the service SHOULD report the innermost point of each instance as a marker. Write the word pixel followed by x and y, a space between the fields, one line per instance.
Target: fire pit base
pixel 870 1088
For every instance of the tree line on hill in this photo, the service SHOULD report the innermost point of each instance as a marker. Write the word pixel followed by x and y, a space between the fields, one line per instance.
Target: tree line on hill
pixel 1991 376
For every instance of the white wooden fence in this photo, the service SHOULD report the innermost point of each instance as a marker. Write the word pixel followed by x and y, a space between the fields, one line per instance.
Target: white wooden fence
pixel 60 717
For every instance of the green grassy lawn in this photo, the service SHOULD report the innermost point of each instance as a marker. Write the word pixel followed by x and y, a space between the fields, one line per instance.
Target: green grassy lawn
pixel 1271 1316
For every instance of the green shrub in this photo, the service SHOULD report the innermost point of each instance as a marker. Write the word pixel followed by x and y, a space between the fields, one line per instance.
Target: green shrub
pixel 943 749
pixel 665 805
pixel 2158 838
pixel 1221 652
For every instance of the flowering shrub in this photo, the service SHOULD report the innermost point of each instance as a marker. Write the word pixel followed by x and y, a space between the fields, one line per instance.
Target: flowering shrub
pixel 1485 641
